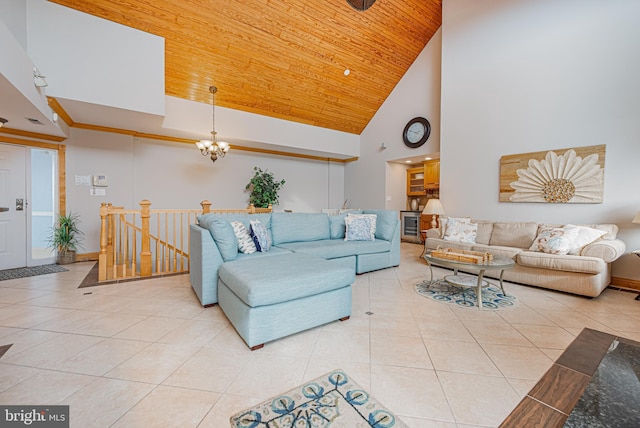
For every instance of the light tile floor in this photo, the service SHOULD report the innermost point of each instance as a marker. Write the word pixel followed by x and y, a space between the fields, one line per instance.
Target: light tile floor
pixel 146 354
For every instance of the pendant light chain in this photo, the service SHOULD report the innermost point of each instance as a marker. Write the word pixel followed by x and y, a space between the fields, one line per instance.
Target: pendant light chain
pixel 213 91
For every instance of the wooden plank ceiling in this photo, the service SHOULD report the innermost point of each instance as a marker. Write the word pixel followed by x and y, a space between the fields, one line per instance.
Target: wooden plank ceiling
pixel 282 58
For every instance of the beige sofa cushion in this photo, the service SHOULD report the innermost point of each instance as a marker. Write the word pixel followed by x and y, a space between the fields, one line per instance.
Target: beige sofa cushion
pixel 483 235
pixel 566 263
pixel 513 234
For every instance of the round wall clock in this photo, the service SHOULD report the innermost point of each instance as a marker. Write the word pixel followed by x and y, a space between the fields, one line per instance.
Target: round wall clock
pixel 416 133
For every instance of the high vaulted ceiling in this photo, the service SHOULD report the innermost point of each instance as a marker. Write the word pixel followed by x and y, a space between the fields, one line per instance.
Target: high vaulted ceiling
pixel 282 58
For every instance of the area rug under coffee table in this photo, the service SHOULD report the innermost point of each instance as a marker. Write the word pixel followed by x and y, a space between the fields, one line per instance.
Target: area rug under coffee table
pixel 441 291
pixel 332 400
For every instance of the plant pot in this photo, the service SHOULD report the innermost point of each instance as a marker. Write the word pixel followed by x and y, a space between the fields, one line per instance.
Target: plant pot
pixel 66 258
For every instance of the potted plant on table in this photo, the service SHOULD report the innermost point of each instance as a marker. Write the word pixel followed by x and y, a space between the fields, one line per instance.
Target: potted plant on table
pixel 65 238
pixel 264 188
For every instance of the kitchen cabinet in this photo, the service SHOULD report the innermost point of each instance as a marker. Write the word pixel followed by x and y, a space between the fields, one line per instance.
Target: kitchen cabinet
pixel 432 174
pixel 415 181
pixel 421 179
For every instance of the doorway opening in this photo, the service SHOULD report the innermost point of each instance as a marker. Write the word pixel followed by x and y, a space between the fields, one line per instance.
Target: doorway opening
pixel 43 189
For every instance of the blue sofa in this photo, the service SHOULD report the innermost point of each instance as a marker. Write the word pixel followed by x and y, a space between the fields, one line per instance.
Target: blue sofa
pixel 315 234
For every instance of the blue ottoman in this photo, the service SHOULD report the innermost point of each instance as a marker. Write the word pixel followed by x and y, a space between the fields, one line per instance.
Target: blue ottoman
pixel 267 298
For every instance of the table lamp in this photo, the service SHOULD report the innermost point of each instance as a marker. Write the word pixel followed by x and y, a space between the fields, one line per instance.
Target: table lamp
pixel 434 208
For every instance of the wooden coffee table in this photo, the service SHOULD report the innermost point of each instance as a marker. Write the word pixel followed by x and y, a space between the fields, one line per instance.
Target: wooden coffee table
pixel 477 280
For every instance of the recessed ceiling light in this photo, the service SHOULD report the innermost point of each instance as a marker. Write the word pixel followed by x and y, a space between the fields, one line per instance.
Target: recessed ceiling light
pixel 427 158
pixel 347 72
pixel 408 161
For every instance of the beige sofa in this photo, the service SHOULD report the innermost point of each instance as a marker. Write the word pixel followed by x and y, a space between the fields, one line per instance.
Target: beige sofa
pixel 588 273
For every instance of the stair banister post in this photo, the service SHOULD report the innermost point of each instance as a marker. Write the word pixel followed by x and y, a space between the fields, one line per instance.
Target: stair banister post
pixel 111 238
pixel 206 206
pixel 145 253
pixel 102 257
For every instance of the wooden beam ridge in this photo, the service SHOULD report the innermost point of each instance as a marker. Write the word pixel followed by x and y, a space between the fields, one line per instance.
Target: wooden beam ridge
pixel 60 111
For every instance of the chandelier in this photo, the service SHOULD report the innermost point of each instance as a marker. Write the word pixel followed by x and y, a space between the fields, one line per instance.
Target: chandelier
pixel 213 148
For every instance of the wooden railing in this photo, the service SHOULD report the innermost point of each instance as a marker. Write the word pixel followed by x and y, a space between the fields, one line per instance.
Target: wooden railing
pixel 146 242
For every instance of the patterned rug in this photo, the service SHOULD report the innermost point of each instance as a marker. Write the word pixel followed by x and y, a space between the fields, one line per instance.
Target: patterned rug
pixel 24 272
pixel 332 400
pixel 442 291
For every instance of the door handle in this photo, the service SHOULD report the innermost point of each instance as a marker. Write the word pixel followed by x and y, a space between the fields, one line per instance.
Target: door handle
pixel 3 209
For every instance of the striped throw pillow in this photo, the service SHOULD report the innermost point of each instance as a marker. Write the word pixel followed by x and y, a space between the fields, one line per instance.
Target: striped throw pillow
pixel 245 243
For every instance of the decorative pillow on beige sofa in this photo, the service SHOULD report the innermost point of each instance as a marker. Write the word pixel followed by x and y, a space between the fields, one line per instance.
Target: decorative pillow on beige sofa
pixel 586 235
pixel 444 221
pixel 555 240
pixel 460 231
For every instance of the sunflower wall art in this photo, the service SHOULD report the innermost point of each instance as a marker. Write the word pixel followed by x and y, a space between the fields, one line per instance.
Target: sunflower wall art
pixel 574 176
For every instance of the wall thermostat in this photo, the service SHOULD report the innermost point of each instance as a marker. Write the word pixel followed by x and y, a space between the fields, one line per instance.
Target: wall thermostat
pixel 100 181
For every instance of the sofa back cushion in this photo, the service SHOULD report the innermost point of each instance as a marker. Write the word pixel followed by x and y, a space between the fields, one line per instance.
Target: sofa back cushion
pixel 485 228
pixel 514 234
pixel 241 217
pixel 223 235
pixel 219 225
pixel 337 225
pixel 386 223
pixel 296 227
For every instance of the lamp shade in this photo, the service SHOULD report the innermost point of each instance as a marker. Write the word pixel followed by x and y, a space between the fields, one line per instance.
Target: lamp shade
pixel 636 219
pixel 433 207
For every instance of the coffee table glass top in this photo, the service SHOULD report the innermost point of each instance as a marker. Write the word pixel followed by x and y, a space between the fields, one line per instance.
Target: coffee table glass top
pixel 496 263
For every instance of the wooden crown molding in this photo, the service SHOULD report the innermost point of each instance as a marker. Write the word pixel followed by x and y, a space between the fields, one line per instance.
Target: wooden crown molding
pixel 29 134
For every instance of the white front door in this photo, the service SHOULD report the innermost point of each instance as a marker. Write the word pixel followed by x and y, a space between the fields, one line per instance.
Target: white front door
pixel 13 218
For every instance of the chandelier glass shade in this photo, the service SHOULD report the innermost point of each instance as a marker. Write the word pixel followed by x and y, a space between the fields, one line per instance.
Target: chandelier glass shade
pixel 213 148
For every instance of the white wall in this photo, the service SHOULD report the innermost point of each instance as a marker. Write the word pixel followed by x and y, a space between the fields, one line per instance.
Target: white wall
pixel 112 65
pixel 417 94
pixel 240 127
pixel 175 175
pixel 532 75
pixel 14 15
pixel 21 94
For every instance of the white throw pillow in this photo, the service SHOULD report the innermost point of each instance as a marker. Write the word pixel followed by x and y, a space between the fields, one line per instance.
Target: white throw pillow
pixel 358 229
pixel 245 243
pixel 458 231
pixel 555 240
pixel 444 222
pixel 586 235
pixel 372 218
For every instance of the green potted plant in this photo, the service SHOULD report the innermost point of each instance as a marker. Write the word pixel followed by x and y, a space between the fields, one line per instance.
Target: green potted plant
pixel 264 188
pixel 65 238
